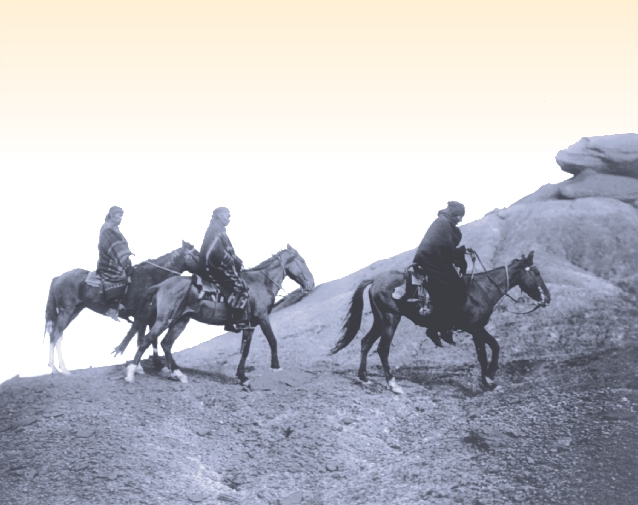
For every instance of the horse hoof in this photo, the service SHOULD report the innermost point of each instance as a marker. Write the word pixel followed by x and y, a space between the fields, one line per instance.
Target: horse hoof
pixel 139 370
pixel 277 369
pixel 394 387
pixel 130 373
pixel 246 384
pixel 177 374
pixel 489 383
pixel 64 371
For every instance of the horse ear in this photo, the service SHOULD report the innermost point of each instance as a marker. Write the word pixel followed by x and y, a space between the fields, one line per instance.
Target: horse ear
pixel 530 256
pixel 184 244
pixel 288 247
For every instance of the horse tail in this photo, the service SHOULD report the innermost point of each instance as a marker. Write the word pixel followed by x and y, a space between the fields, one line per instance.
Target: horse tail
pixel 51 312
pixel 352 323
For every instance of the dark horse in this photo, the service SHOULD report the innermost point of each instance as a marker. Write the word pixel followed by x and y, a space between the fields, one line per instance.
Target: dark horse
pixel 69 294
pixel 175 301
pixel 484 291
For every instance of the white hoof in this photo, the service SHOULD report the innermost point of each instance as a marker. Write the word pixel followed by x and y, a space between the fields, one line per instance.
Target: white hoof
pixel 277 369
pixel 246 384
pixel 394 387
pixel 140 370
pixel 65 371
pixel 177 374
pixel 130 373
pixel 489 381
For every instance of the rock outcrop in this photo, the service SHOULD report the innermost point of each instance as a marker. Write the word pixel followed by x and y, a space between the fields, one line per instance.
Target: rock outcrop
pixel 608 154
pixel 604 166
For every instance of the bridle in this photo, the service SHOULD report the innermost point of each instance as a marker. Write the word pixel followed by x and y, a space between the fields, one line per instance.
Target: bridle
pixel 538 304
pixel 283 267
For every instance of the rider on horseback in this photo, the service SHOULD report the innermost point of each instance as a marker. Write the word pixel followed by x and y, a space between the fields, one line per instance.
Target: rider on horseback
pixel 114 263
pixel 219 263
pixel 437 255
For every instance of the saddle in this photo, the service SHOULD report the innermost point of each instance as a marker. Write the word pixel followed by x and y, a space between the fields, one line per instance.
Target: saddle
pixel 108 290
pixel 207 290
pixel 415 289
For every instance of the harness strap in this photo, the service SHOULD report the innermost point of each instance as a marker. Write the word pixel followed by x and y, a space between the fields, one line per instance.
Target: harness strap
pixel 507 285
pixel 283 266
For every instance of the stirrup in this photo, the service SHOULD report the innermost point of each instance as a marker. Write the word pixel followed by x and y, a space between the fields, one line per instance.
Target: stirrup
pixel 425 311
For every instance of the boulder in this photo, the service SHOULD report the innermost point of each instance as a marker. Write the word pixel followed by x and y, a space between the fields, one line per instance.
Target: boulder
pixel 607 154
pixel 619 187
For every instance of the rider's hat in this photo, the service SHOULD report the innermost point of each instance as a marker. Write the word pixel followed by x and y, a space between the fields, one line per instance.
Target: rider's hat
pixel 456 208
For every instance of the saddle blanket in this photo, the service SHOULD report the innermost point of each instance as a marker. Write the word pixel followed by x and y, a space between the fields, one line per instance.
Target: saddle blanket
pixel 95 281
pixel 206 289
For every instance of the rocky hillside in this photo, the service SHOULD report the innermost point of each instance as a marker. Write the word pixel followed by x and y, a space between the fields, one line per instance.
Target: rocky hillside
pixel 584 236
pixel 562 427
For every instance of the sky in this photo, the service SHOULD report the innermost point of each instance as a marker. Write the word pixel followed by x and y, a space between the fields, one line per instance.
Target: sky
pixel 339 128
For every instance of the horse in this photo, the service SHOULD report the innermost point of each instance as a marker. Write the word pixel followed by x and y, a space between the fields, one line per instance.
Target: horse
pixel 69 295
pixel 175 301
pixel 484 290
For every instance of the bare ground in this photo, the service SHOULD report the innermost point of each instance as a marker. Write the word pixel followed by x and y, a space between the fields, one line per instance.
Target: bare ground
pixel 561 429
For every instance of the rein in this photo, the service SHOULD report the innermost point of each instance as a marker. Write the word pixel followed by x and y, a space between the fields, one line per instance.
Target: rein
pixel 283 266
pixel 161 267
pixel 507 286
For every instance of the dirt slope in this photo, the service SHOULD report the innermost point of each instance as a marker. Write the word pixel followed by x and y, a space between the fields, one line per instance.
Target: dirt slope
pixel 561 428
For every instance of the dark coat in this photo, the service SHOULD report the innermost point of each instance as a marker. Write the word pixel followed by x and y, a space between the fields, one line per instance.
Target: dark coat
pixel 436 255
pixel 438 247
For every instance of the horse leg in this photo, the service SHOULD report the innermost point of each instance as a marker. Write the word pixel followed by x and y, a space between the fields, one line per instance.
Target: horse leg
pixel 366 344
pixel 144 341
pixel 58 346
pixel 247 336
pixel 125 341
pixel 387 334
pixel 167 343
pixel 157 361
pixel 55 338
pixel 493 366
pixel 479 343
pixel 272 342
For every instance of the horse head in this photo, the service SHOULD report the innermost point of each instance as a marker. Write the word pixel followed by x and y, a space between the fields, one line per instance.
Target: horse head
pixel 191 257
pixel 296 268
pixel 530 281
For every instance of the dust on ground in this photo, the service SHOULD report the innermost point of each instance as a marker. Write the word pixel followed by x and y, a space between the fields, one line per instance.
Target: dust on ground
pixel 556 431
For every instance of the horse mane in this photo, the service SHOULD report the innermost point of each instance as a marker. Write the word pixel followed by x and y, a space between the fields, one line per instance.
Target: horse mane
pixel 477 274
pixel 267 262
